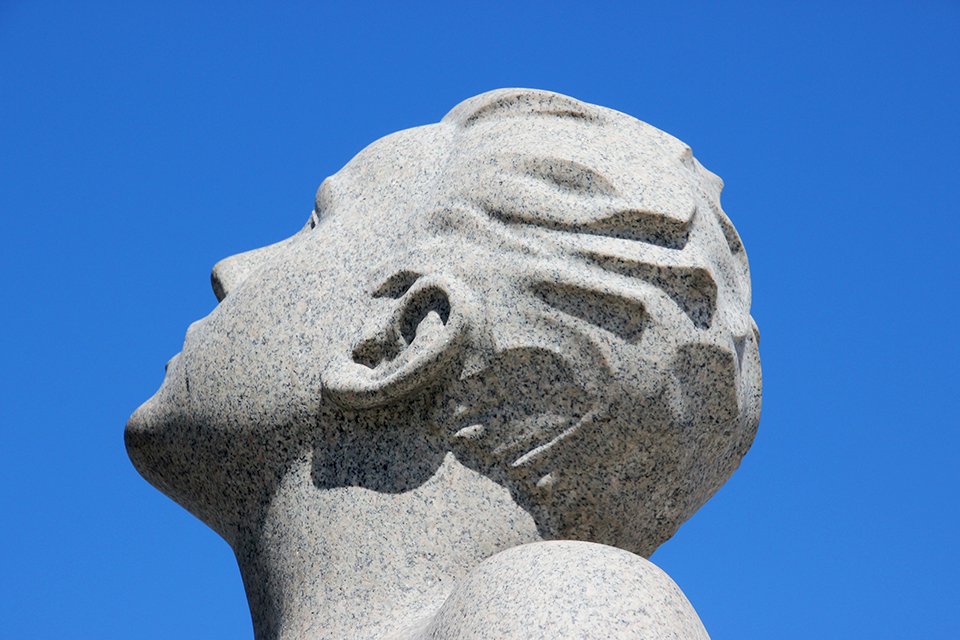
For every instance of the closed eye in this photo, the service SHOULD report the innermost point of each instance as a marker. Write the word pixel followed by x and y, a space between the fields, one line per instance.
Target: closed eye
pixel 312 222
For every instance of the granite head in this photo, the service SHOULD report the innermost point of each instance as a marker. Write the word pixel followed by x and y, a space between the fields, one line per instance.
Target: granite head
pixel 546 288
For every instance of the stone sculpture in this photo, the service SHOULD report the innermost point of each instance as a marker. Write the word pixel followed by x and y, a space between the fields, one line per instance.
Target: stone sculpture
pixel 507 352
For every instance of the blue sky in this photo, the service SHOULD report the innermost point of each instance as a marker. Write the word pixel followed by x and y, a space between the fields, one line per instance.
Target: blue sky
pixel 141 142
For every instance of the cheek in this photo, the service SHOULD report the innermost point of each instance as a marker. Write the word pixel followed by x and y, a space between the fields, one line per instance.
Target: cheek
pixel 255 362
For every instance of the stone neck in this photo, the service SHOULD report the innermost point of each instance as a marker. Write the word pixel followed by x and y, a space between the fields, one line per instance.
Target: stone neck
pixel 354 562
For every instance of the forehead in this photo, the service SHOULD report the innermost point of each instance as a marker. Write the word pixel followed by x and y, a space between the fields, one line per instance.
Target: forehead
pixel 533 162
pixel 391 177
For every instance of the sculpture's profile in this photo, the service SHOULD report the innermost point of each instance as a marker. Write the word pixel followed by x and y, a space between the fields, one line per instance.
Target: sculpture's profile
pixel 528 322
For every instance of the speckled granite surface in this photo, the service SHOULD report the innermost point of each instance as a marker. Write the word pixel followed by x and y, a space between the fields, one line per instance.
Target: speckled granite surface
pixel 527 322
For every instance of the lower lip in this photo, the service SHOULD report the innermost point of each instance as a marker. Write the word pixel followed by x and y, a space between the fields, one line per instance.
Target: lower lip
pixel 172 361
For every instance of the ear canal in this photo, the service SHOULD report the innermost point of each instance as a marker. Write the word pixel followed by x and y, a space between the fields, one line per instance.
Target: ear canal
pixel 413 347
pixel 426 307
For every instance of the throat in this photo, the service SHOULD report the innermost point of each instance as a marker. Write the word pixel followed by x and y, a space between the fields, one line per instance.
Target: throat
pixel 360 563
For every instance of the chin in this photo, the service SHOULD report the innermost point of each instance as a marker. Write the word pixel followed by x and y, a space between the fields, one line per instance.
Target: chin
pixel 157 437
pixel 149 440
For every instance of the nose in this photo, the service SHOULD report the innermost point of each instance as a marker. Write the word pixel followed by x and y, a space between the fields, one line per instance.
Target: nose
pixel 229 273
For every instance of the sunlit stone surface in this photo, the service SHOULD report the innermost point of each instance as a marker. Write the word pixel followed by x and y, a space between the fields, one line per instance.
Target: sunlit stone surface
pixel 528 323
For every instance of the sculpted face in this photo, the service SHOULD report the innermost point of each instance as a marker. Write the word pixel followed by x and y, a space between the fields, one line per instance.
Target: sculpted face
pixel 250 376
pixel 545 288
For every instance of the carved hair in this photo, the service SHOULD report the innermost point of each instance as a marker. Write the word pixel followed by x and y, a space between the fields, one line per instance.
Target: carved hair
pixel 629 362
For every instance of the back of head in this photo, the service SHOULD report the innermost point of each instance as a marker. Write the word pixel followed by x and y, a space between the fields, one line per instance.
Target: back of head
pixel 617 385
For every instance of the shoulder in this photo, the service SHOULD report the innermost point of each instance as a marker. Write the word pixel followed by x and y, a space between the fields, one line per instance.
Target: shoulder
pixel 566 589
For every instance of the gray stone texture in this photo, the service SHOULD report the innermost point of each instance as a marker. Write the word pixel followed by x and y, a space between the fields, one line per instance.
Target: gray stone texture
pixel 526 323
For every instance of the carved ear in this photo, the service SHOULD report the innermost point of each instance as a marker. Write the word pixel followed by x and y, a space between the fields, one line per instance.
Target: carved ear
pixel 413 346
